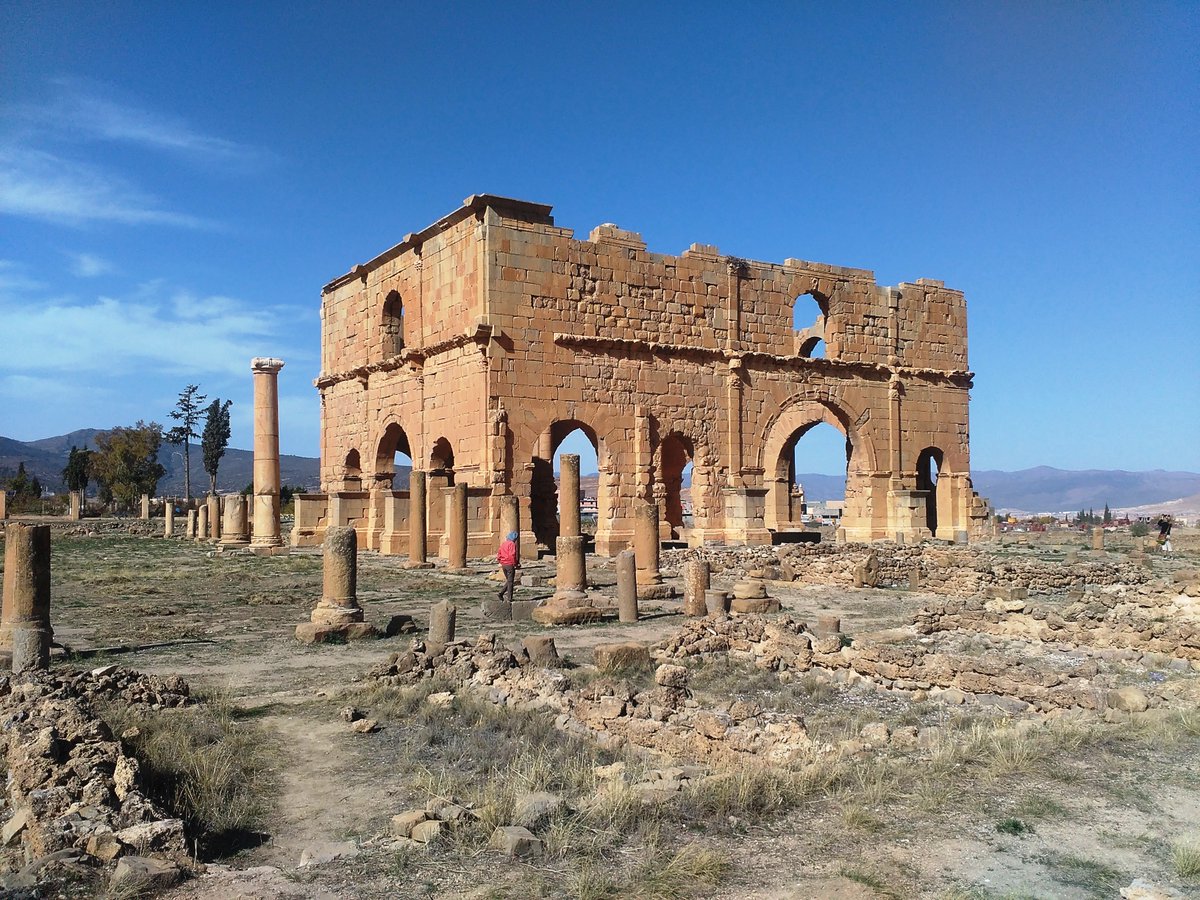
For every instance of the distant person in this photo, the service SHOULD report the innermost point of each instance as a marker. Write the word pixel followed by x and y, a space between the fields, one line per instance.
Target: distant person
pixel 509 560
pixel 1164 532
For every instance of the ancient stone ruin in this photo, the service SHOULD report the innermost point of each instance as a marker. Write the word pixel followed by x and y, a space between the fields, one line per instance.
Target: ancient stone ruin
pixel 476 345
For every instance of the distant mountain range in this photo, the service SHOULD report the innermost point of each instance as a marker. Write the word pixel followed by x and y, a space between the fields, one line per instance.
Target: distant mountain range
pixel 48 457
pixel 1039 490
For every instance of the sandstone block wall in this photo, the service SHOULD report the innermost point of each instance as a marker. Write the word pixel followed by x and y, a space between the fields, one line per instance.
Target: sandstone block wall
pixel 478 344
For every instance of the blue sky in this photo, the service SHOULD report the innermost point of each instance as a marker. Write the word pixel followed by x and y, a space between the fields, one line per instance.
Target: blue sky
pixel 178 180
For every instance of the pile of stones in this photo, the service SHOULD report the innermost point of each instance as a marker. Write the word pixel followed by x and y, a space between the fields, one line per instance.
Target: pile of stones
pixel 664 718
pixel 72 791
pixel 1152 622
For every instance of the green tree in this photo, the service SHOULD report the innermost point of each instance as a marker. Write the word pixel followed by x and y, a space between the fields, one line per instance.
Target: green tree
pixel 77 472
pixel 215 438
pixel 187 413
pixel 1108 517
pixel 126 461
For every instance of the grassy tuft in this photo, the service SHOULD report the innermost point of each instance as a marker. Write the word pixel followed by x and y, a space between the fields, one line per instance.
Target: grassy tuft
pixel 1185 858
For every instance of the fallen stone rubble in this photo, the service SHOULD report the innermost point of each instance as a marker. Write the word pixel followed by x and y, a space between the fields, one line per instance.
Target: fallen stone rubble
pixel 664 718
pixel 1150 621
pixel 957 571
pixel 71 786
pixel 1003 679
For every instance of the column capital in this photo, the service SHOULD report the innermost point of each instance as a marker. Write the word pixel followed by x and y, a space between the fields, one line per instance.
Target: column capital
pixel 265 364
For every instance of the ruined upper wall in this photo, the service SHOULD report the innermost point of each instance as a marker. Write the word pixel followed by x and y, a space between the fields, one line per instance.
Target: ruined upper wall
pixel 505 262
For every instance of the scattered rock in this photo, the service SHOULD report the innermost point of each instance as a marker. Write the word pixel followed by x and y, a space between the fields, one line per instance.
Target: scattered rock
pixel 516 841
pixel 134 873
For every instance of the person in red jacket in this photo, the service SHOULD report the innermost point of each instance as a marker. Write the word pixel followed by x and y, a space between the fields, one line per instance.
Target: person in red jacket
pixel 509 559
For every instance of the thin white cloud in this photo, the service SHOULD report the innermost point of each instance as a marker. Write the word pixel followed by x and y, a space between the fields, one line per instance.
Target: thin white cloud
pixel 138 335
pixel 89 265
pixel 87 111
pixel 38 185
pixel 13 278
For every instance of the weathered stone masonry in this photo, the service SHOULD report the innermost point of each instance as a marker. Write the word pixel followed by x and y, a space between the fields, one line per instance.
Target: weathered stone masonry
pixel 478 344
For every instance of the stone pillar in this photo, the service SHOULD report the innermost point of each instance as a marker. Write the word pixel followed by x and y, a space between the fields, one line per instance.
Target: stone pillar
pixel 191 524
pixel 3 506
pixel 510 517
pixel 76 506
pixel 645 545
pixel 145 513
pixel 202 522
pixel 25 614
pixel 169 519
pixel 570 570
pixel 627 600
pixel 1097 538
pixel 338 613
pixel 456 526
pixel 235 528
pixel 418 547
pixel 339 595
pixel 266 451
pixel 568 496
pixel 442 616
pixel 214 516
pixel 696 582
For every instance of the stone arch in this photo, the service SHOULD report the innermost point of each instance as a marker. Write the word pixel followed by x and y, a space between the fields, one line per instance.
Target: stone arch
pixel 809 329
pixel 783 432
pixel 441 460
pixel 392 324
pixel 393 440
pixel 930 466
pixel 352 471
pixel 543 490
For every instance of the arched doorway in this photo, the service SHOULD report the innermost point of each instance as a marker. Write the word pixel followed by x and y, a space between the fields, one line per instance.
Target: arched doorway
pixel 568 436
pixel 676 455
pixel 393 458
pixel 929 466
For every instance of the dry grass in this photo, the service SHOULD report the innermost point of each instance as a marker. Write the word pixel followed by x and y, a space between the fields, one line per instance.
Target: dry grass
pixel 1185 858
pixel 210 769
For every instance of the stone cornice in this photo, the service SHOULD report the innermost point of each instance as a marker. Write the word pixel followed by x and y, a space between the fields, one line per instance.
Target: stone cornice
pixel 409 355
pixel 627 346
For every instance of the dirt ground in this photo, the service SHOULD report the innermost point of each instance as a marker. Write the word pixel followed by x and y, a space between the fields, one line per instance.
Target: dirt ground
pixel 1095 814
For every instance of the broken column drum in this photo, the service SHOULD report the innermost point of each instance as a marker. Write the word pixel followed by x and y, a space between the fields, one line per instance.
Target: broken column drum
pixel 339 598
pixel 25 615
pixel 266 451
pixel 570 573
pixel 235 528
pixel 695 583
pixel 202 522
pixel 627 599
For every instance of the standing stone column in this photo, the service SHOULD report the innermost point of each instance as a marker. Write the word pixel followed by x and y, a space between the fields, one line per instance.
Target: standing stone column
pixel 266 451
pixel 235 527
pixel 456 526
pixel 1097 538
pixel 202 522
pixel 696 582
pixel 25 614
pixel 442 616
pixel 646 546
pixel 169 521
pixel 418 546
pixel 627 600
pixel 191 524
pixel 145 507
pixel 214 516
pixel 76 506
pixel 570 571
pixel 338 613
pixel 510 516
pixel 568 496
